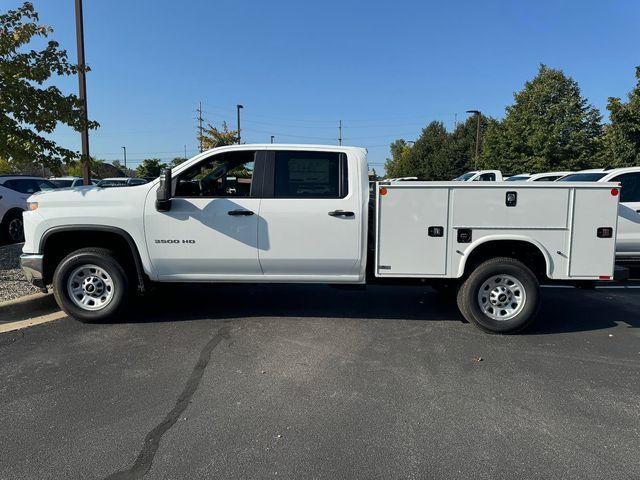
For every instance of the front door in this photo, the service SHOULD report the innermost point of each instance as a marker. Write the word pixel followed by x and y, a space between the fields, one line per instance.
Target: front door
pixel 311 218
pixel 211 230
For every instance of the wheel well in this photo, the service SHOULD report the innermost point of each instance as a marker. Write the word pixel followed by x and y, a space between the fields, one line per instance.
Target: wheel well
pixel 58 245
pixel 521 250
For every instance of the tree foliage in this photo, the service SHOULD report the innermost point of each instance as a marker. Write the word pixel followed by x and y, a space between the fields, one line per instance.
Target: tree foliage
pixel 213 137
pixel 436 154
pixel 150 167
pixel 28 108
pixel 621 143
pixel 549 127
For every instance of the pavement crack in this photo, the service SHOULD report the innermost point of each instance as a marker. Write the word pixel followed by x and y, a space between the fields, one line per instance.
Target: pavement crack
pixel 152 440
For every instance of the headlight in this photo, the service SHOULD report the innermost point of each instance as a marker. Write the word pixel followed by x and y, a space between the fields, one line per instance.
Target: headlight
pixel 31 206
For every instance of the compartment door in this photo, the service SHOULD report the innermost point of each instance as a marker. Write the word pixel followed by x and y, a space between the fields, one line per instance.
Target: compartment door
pixel 406 246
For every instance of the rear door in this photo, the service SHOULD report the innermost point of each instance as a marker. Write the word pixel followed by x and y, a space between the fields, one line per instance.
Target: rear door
pixel 310 216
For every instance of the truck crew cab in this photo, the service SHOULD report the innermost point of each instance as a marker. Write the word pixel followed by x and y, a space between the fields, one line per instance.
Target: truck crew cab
pixel 303 214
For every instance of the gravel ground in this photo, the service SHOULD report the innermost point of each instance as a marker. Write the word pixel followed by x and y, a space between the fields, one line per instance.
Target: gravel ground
pixel 12 281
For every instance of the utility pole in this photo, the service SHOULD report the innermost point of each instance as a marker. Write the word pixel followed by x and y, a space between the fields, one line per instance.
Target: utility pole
pixel 238 107
pixel 340 133
pixel 200 126
pixel 124 151
pixel 82 87
pixel 455 121
pixel 272 137
pixel 185 152
pixel 477 114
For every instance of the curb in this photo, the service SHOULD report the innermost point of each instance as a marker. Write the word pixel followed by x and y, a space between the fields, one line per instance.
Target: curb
pixel 27 307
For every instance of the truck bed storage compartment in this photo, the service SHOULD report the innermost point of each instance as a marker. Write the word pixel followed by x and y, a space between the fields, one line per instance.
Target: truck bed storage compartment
pixel 412 231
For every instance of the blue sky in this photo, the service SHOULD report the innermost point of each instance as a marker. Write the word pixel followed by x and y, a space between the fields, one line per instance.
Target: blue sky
pixel 384 68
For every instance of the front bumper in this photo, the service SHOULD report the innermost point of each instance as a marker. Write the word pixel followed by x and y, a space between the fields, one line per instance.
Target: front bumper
pixel 32 266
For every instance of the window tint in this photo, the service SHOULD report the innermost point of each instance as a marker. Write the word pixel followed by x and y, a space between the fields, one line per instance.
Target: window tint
pixel 582 177
pixel 310 175
pixel 547 179
pixel 63 183
pixel 29 185
pixel 630 186
pixel 223 175
pixel 486 177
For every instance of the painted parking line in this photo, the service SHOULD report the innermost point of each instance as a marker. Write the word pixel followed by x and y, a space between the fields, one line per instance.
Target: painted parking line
pixel 19 325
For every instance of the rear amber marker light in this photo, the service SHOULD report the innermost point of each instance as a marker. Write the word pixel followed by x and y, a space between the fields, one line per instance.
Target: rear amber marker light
pixel 383 191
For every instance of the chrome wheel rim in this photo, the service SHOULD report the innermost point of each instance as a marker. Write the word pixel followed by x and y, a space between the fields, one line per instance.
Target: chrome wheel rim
pixel 15 229
pixel 90 287
pixel 502 297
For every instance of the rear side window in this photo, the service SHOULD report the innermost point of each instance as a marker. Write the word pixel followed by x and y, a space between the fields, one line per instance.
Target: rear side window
pixel 310 175
pixel 630 186
pixel 486 177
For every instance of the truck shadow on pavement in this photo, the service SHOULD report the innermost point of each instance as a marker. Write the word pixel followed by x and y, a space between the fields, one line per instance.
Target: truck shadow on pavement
pixel 563 310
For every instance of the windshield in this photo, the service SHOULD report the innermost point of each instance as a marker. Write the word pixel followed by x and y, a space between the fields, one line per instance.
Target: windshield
pixel 583 177
pixel 517 178
pixel 464 177
pixel 62 183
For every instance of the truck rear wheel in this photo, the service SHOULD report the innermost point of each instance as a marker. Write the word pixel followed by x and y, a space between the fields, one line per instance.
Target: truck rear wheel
pixel 90 285
pixel 500 296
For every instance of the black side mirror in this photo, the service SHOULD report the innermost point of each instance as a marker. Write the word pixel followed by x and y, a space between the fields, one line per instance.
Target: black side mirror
pixel 163 198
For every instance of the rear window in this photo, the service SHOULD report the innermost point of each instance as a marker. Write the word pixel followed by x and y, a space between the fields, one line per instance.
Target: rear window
pixel 29 185
pixel 517 178
pixel 583 177
pixel 310 175
pixel 62 183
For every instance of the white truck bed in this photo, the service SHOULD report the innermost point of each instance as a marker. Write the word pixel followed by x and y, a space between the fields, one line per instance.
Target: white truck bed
pixel 563 229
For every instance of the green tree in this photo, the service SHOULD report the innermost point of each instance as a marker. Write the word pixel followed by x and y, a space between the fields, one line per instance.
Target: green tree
pixel 398 165
pixel 176 161
pixel 27 108
pixel 549 127
pixel 150 167
pixel 75 167
pixel 621 143
pixel 213 137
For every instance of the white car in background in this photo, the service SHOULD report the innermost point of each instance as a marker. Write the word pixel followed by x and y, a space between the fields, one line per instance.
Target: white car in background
pixel 480 176
pixel 69 182
pixel 537 177
pixel 14 191
pixel 628 237
pixel 120 182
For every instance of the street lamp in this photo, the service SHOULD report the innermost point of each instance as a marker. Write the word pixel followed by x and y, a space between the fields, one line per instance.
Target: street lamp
pixel 238 107
pixel 124 150
pixel 478 115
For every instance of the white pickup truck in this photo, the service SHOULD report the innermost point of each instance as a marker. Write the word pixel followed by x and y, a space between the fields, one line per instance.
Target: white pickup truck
pixel 303 214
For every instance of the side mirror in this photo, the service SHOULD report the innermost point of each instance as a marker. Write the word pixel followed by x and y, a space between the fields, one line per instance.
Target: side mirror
pixel 163 198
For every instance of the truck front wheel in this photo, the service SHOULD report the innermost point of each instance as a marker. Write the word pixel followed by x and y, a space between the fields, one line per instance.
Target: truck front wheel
pixel 500 296
pixel 90 285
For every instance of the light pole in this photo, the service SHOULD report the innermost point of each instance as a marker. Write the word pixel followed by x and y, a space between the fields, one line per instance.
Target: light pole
pixel 238 107
pixel 82 93
pixel 124 150
pixel 272 137
pixel 478 115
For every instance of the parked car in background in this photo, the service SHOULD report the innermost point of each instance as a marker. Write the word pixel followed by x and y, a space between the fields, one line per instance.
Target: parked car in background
pixel 121 182
pixel 537 177
pixel 480 176
pixel 14 191
pixel 628 237
pixel 67 182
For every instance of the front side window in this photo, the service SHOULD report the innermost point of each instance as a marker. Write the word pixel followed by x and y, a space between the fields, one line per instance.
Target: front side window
pixel 630 183
pixel 310 175
pixel 223 175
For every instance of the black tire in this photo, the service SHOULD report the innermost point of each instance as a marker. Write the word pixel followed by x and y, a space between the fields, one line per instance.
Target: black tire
pixel 104 259
pixel 469 302
pixel 12 227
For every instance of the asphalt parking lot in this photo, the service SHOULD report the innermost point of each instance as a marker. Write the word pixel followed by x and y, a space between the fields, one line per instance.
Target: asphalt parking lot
pixel 299 382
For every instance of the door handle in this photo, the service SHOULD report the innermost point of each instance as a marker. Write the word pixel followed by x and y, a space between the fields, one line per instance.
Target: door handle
pixel 341 213
pixel 242 213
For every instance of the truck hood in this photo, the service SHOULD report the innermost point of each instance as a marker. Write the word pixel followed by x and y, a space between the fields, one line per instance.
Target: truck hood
pixel 89 194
